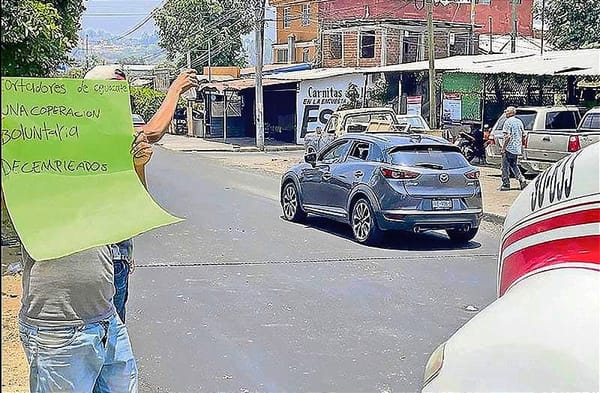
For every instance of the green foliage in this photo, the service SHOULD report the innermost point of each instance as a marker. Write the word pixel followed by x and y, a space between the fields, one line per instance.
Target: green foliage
pixel 378 93
pixel 188 24
pixel 573 24
pixel 37 35
pixel 353 96
pixel 145 101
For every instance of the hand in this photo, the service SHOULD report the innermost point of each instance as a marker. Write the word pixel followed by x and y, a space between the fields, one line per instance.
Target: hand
pixel 185 81
pixel 141 150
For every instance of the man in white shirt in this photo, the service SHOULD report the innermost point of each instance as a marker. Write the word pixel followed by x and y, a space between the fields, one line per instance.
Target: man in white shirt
pixel 513 130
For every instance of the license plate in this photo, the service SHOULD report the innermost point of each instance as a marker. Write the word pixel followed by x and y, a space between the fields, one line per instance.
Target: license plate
pixel 441 204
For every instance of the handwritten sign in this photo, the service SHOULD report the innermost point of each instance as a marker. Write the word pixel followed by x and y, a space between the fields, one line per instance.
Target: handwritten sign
pixel 67 171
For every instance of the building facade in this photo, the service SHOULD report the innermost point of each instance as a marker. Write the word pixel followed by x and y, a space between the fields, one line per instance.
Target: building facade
pixel 297 31
pixel 337 33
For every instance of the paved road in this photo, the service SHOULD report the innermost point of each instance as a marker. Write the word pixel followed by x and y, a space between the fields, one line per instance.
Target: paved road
pixel 236 299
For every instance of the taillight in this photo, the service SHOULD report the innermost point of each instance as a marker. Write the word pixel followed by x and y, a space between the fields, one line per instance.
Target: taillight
pixel 472 175
pixel 398 174
pixel 491 140
pixel 525 140
pixel 574 143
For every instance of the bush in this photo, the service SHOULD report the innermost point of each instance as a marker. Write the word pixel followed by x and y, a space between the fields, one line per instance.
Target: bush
pixel 145 101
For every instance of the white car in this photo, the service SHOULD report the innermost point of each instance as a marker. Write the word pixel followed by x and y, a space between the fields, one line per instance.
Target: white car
pixel 543 331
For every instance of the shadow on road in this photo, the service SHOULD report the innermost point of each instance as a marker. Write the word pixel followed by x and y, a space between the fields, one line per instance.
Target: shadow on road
pixel 393 240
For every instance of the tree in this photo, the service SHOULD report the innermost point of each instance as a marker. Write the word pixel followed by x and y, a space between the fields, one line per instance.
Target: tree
pixel 188 25
pixel 37 35
pixel 573 24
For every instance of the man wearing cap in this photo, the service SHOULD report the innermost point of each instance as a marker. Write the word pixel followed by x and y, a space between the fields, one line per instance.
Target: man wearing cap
pixel 512 148
pixel 153 131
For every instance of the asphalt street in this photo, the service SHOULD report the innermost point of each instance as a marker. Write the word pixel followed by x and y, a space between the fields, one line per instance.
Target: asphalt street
pixel 235 299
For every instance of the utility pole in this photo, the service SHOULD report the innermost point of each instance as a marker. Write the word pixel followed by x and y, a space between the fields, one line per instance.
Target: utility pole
pixel 259 38
pixel 543 26
pixel 87 49
pixel 513 21
pixel 472 40
pixel 431 56
pixel 209 62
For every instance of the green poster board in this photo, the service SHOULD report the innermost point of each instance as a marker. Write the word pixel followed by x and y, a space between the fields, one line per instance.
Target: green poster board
pixel 67 171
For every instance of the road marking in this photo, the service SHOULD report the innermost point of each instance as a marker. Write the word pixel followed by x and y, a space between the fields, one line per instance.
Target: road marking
pixel 442 258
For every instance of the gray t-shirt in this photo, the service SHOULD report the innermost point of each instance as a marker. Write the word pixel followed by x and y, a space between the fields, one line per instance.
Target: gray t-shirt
pixel 68 291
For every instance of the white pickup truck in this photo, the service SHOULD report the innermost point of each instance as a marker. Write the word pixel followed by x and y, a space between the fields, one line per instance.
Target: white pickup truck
pixel 545 147
pixel 353 120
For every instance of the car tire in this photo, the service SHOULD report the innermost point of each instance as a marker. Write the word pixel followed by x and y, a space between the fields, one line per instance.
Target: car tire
pixel 290 203
pixel 461 235
pixel 364 224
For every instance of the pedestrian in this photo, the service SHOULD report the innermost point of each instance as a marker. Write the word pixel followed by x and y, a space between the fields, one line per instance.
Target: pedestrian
pixel 122 252
pixel 72 338
pixel 512 148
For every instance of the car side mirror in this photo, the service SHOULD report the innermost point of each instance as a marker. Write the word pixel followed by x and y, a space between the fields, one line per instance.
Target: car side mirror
pixel 311 158
pixel 319 130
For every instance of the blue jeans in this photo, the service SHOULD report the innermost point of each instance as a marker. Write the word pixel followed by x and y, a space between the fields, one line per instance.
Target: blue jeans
pixel 89 358
pixel 510 164
pixel 121 281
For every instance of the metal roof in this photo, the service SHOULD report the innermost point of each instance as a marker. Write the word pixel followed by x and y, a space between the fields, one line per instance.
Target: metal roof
pixel 317 73
pixel 581 62
pixel 240 84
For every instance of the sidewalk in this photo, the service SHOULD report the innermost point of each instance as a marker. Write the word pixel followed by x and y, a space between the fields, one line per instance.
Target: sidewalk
pixel 277 158
pixel 193 144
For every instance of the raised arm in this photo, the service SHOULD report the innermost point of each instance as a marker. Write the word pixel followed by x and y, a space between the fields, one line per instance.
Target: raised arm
pixel 159 123
pixel 142 152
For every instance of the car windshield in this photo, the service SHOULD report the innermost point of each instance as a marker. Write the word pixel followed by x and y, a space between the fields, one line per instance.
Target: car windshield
pixel 360 122
pixel 414 122
pixel 435 157
pixel 527 117
pixel 591 122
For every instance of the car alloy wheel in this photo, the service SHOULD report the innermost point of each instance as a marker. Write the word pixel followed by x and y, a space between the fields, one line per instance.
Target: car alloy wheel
pixel 290 204
pixel 364 227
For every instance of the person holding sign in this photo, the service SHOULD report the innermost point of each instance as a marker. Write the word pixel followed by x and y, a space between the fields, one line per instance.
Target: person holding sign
pixel 122 252
pixel 72 338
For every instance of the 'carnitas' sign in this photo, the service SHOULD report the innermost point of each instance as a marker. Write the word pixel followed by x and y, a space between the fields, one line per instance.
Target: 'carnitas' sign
pixel 319 98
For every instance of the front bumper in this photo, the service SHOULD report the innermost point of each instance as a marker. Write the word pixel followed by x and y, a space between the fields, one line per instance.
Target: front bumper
pixel 418 220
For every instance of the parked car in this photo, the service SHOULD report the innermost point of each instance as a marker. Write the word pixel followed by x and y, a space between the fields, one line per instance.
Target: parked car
pixel 540 118
pixel 138 120
pixel 544 148
pixel 385 182
pixel 354 120
pixel 541 334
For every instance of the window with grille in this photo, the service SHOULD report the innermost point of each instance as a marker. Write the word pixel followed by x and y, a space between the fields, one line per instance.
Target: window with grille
pixel 335 46
pixel 282 55
pixel 305 14
pixel 287 17
pixel 367 44
pixel 305 57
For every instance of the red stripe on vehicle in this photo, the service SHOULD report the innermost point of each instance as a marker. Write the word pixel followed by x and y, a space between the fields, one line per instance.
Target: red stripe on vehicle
pixel 527 260
pixel 565 220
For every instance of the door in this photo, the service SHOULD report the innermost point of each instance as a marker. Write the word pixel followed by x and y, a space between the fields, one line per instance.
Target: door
pixel 314 180
pixel 346 174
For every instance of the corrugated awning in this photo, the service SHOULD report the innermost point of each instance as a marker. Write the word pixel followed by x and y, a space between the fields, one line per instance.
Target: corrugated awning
pixel 581 62
pixel 239 85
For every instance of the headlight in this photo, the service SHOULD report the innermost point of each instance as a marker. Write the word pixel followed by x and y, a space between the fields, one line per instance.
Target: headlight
pixel 434 364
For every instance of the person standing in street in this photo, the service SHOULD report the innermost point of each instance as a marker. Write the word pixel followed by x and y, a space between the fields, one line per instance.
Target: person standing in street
pixel 72 338
pixel 512 148
pixel 153 131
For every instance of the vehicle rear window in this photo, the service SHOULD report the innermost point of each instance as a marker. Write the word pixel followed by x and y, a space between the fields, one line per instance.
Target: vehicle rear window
pixel 563 120
pixel 591 122
pixel 435 157
pixel 527 117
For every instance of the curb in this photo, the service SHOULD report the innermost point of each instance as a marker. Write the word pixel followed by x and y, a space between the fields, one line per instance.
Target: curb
pixel 494 218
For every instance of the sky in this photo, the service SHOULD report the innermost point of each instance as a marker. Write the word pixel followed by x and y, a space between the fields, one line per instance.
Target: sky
pixel 118 16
